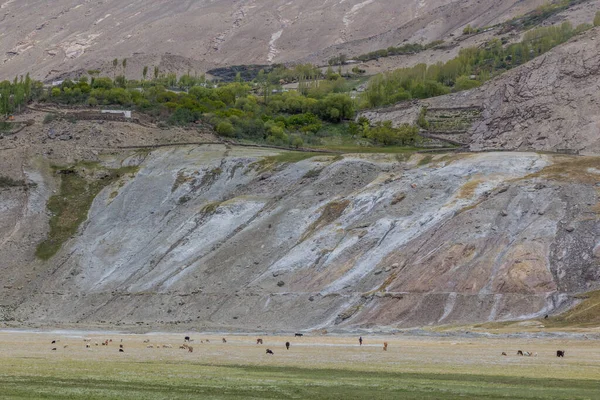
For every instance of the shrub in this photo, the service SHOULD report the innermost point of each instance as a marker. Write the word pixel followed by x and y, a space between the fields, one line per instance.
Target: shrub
pixel 225 128
pixel 50 118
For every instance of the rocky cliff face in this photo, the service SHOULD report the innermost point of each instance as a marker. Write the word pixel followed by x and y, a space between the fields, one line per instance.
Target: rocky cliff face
pixel 219 238
pixel 551 103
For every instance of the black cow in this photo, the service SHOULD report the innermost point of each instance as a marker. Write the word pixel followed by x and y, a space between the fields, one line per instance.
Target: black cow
pixel 560 353
pixel 299 335
pixel 269 351
pixel 187 339
pixel 520 352
pixel 121 351
pixel 287 345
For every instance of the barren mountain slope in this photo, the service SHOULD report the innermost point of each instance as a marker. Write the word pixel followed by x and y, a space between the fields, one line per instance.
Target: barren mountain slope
pixel 215 238
pixel 551 103
pixel 49 38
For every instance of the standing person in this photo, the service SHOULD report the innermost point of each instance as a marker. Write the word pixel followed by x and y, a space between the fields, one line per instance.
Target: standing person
pixel 360 340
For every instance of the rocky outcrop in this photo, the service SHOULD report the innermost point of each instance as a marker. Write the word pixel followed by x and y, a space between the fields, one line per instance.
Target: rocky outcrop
pixel 216 238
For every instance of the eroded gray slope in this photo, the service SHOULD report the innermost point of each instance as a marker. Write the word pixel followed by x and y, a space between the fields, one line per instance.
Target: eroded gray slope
pixel 204 237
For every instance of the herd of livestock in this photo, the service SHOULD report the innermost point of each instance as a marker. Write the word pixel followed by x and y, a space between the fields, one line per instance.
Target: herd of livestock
pixel 188 340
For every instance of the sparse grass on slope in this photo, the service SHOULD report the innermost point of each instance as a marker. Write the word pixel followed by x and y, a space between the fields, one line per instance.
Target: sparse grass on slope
pixel 70 206
pixel 585 314
pixel 287 157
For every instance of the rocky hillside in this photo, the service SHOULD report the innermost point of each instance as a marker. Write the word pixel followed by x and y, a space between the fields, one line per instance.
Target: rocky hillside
pixel 551 103
pixel 247 239
pixel 67 35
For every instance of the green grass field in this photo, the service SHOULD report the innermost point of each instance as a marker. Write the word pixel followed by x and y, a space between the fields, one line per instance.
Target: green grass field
pixel 153 380
pixel 319 367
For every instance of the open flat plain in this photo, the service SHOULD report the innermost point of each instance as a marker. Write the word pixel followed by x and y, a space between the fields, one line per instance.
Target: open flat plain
pixel 315 367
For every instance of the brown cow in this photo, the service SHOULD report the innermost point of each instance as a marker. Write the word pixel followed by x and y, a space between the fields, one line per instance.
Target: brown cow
pixel 259 341
pixel 385 345
pixel 224 340
pixel 269 351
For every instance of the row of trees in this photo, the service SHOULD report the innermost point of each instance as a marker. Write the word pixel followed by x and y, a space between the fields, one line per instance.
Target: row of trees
pixel 13 95
pixel 469 69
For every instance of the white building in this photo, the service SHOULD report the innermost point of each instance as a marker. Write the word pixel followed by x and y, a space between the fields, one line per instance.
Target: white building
pixel 126 114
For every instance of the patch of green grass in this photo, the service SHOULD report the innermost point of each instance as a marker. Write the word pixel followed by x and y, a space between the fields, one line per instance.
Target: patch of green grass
pixel 425 160
pixel 70 206
pixel 287 157
pixel 44 379
pixel 5 126
pixel 313 173
pixel 210 208
pixel 5 182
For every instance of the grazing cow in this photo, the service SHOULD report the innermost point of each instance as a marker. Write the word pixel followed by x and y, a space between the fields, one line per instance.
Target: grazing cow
pixel 520 352
pixel 385 345
pixel 53 342
pixel 503 353
pixel 224 340
pixel 527 354
pixel 546 316
pixel 167 346
pixel 207 341
pixel 186 339
pixel 259 341
pixel 183 347
pixel 65 346
pixel 149 346
pixel 269 351
pixel 147 341
pixel 87 346
pixel 287 345
pixel 190 349
pixel 87 340
pixel 299 335
pixel 121 351
pixel 560 353
pixel 54 349
pixel 120 346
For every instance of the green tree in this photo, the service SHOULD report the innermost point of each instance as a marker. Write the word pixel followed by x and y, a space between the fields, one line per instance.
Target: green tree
pixel 115 64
